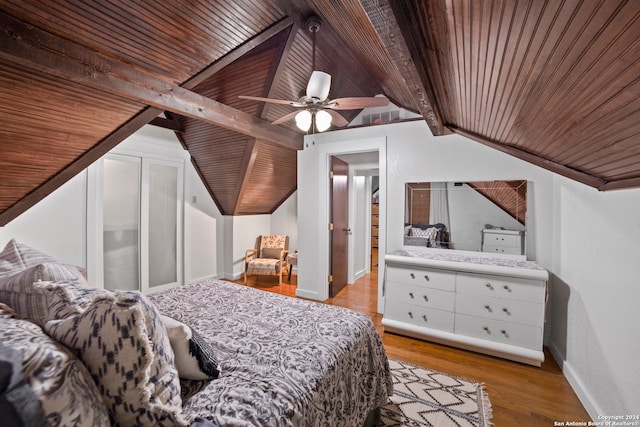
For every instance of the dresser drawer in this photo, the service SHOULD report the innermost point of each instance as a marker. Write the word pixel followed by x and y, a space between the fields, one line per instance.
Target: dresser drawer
pixel 422 296
pixel 510 240
pixel 436 279
pixel 495 330
pixel 501 287
pixel 528 313
pixel 502 249
pixel 420 316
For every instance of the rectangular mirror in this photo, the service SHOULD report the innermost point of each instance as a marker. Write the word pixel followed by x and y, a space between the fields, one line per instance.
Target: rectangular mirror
pixel 487 216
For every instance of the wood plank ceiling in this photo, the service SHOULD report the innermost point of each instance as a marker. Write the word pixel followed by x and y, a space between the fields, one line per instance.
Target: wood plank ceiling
pixel 552 82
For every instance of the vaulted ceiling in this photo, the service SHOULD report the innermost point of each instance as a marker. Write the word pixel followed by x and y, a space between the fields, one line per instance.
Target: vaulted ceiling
pixel 555 83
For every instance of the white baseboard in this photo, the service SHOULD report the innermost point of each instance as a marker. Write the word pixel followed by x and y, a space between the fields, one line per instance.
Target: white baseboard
pixel 203 278
pixel 586 398
pixel 307 294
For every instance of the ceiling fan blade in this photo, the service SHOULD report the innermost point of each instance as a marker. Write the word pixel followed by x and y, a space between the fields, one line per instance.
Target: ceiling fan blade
pixel 337 119
pixel 285 118
pixel 271 100
pixel 357 103
pixel 319 85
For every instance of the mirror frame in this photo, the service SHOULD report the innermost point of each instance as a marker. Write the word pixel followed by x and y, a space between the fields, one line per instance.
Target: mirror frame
pixel 498 207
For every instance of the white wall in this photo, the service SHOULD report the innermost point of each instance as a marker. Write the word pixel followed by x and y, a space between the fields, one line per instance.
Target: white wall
pixel 589 241
pixel 56 225
pixel 243 231
pixel 360 209
pixel 595 294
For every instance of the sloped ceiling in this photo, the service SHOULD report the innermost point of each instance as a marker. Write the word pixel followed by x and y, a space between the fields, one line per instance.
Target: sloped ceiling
pixel 552 82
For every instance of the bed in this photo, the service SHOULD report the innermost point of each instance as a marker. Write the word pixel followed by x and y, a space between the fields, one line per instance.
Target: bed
pixel 428 235
pixel 282 361
pixel 212 353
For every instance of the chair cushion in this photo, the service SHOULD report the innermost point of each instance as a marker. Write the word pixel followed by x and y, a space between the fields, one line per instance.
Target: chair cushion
pixel 47 384
pixel 122 341
pixel 263 266
pixel 273 253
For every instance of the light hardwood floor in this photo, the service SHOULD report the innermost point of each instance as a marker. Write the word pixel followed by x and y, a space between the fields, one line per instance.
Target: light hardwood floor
pixel 521 395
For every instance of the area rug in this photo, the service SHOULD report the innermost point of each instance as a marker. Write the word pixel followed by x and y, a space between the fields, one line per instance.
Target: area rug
pixel 423 397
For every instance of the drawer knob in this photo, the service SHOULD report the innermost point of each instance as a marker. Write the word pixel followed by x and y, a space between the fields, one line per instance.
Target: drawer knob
pixel 410 315
pixel 506 310
pixel 486 328
pixel 488 307
pixel 424 317
pixel 426 277
pixel 413 276
pixel 503 332
pixel 411 295
pixel 507 288
pixel 426 298
pixel 489 285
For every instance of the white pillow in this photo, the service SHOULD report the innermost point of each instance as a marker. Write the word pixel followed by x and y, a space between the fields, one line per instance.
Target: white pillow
pixel 194 357
pixel 431 233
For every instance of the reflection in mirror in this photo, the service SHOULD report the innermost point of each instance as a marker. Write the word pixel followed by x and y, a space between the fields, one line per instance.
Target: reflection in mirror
pixel 484 216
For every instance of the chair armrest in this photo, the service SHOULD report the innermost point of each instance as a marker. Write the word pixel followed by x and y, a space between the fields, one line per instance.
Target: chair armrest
pixel 249 254
pixel 283 255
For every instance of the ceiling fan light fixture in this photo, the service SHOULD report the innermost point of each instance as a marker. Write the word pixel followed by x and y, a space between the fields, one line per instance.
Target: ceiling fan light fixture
pixel 303 120
pixel 323 120
pixel 319 85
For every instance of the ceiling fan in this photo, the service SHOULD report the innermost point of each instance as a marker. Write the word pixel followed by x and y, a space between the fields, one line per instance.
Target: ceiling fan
pixel 315 108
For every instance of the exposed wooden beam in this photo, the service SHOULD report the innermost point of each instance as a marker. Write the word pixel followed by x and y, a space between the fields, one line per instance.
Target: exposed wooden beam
pixel 45 52
pixel 83 162
pixel 552 166
pixel 386 24
pixel 170 124
pixel 247 164
pixel 277 68
pixel 621 184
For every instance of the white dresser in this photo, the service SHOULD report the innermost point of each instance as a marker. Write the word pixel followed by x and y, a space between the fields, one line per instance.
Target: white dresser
pixel 486 304
pixel 502 241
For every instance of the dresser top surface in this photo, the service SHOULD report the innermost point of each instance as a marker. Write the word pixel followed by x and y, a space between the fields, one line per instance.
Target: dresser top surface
pixel 469 259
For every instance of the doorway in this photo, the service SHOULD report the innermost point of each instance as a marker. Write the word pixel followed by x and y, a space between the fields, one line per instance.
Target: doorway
pixel 363 171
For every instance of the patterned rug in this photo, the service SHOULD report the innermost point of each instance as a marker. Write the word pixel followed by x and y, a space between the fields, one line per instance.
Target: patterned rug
pixel 423 397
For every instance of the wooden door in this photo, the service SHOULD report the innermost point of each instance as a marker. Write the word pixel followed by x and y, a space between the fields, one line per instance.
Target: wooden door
pixel 340 220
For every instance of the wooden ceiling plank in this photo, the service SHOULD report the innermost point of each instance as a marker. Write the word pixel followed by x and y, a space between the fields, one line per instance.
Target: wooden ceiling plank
pixel 572 96
pixel 533 159
pixel 48 53
pixel 387 25
pixel 238 52
pixel 83 162
pixel 277 70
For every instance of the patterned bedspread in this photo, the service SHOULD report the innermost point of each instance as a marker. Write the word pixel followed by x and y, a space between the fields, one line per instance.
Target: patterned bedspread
pixel 283 361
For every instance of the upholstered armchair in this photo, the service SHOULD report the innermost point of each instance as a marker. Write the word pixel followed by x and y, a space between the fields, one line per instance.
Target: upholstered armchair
pixel 269 257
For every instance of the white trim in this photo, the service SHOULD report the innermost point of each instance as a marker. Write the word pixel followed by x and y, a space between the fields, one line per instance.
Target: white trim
pixel 325 151
pixel 585 397
pixel 95 244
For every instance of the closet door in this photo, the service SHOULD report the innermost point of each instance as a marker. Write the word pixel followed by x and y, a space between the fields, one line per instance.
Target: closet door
pixel 121 222
pixel 162 230
pixel 138 218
